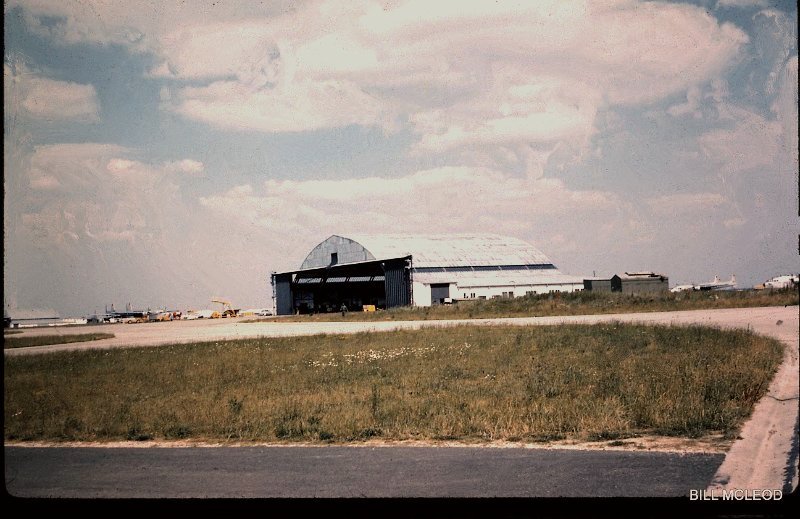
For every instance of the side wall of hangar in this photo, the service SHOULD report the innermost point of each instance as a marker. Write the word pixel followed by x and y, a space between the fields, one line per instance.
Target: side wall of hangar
pixel 388 271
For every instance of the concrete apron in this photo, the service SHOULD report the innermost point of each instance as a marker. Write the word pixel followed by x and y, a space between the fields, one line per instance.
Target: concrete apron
pixel 766 455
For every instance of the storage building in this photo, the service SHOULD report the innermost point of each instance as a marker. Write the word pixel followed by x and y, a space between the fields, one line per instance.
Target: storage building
pixel 597 284
pixel 640 283
pixel 388 271
pixel 629 283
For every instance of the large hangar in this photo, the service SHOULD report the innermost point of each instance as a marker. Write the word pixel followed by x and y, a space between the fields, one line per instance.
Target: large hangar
pixel 422 270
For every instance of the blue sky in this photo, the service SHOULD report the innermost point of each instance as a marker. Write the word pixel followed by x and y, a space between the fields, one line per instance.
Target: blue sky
pixel 162 155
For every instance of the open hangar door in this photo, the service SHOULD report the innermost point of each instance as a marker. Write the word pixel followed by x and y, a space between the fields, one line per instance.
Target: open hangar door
pixel 384 284
pixel 316 295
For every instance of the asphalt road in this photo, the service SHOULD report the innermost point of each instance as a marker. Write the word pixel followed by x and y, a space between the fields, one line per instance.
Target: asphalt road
pixel 323 472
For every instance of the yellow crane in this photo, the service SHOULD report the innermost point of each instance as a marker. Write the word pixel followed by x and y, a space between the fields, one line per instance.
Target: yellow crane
pixel 228 309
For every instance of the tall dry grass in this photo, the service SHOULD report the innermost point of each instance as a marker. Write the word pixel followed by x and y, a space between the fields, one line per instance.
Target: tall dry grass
pixel 44 340
pixel 470 383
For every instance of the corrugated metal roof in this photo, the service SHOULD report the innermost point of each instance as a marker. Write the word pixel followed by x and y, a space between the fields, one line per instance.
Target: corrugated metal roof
pixel 452 250
pixel 470 260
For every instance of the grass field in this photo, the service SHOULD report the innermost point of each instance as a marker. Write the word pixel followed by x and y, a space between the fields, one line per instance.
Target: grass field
pixel 44 340
pixel 575 303
pixel 470 383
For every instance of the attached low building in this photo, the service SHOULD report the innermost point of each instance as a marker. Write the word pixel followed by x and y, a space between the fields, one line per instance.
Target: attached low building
pixel 399 270
pixel 640 283
pixel 629 283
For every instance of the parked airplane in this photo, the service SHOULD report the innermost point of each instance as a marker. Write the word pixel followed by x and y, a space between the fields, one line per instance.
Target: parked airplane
pixel 778 282
pixel 718 284
pixel 715 284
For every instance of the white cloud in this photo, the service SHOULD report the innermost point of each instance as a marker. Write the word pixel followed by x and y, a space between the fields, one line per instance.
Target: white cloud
pixel 137 24
pixel 306 106
pixel 48 99
pixel 114 197
pixel 189 167
pixel 685 205
pixel 249 53
pixel 750 141
pixel 742 3
pixel 100 225
pixel 690 107
pixel 494 88
pixel 74 22
pixel 450 199
pixel 120 166
pixel 76 167
pixel 775 37
pixel 786 110
pixel 465 75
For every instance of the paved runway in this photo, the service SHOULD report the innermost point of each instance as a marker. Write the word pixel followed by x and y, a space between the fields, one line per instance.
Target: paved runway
pixel 331 471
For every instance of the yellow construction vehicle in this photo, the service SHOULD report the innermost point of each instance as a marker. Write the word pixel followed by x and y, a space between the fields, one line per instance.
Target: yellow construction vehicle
pixel 227 308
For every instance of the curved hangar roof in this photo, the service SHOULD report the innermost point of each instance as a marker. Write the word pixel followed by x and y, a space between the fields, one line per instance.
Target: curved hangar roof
pixel 459 250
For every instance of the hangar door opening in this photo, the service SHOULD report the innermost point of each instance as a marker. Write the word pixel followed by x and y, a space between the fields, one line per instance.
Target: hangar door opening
pixel 318 295
pixel 384 284
pixel 439 292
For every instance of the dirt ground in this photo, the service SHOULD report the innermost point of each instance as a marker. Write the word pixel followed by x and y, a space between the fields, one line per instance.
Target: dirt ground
pixel 710 444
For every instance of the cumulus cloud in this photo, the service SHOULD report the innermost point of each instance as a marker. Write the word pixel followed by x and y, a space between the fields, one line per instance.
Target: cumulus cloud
pixel 188 167
pixel 464 76
pixel 298 214
pixel 750 141
pixel 308 106
pixel 774 41
pixel 66 22
pixel 785 108
pixel 448 199
pixel 742 3
pixel 48 99
pixel 81 215
pixel 253 57
pixel 108 195
pixel 685 204
pixel 461 75
pixel 498 97
pixel 701 101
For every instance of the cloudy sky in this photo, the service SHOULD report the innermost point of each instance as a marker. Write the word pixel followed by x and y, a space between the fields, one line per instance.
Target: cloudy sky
pixel 164 153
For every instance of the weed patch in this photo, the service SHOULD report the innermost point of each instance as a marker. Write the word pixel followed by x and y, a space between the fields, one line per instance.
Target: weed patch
pixel 46 340
pixel 603 382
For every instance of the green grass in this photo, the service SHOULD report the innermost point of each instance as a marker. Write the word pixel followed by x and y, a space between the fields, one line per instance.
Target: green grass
pixel 575 303
pixel 11 332
pixel 470 383
pixel 45 340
